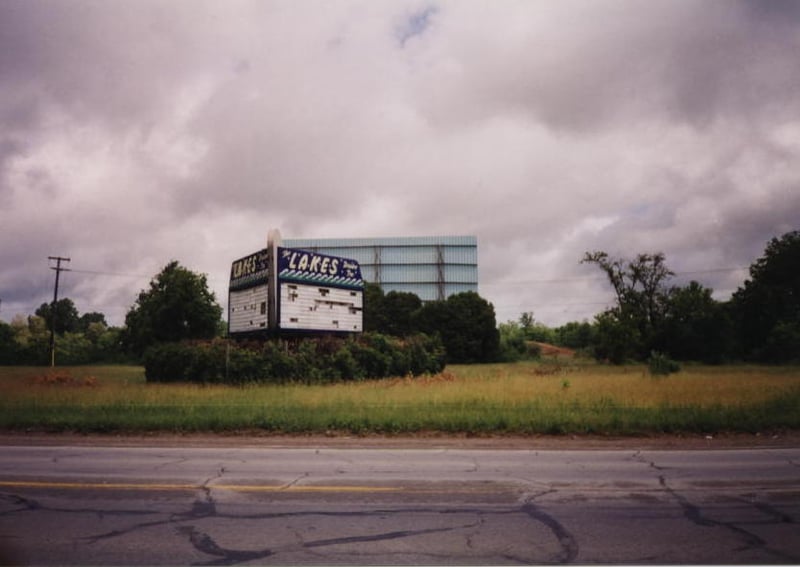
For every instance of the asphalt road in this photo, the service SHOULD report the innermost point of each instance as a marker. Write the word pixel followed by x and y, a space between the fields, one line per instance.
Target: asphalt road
pixel 93 505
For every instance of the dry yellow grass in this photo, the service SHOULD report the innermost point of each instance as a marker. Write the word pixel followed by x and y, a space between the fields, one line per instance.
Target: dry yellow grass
pixel 522 397
pixel 494 384
pixel 630 386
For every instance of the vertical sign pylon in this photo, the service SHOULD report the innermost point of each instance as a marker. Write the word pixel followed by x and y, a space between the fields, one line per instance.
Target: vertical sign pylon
pixel 273 241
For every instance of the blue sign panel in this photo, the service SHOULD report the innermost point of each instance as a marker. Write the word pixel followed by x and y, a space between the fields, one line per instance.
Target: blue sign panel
pixel 312 268
pixel 250 271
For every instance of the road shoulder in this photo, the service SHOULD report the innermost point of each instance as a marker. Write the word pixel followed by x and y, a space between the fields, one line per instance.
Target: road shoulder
pixel 420 441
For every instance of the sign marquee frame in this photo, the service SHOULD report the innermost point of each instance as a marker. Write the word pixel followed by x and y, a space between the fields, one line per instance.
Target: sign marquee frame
pixel 289 290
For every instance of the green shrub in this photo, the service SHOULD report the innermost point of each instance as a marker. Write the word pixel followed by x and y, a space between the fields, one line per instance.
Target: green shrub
pixel 513 343
pixel 346 366
pixel 278 365
pixel 374 363
pixel 309 360
pixel 73 349
pixel 425 354
pixel 244 366
pixel 166 362
pixel 307 366
pixel 661 365
pixel 533 351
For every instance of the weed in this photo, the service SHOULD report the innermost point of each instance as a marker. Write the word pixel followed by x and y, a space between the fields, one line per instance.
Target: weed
pixel 661 365
pixel 547 369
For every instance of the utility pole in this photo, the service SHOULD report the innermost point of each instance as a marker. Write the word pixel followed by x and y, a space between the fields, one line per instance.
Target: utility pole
pixel 58 270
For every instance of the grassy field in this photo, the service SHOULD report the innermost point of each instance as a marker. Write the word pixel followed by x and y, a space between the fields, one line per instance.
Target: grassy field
pixel 522 398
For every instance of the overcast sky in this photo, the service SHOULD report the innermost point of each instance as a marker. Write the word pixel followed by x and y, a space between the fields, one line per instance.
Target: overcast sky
pixel 136 132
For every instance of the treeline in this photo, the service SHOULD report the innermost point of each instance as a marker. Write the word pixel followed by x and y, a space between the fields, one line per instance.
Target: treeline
pixel 650 321
pixel 80 339
pixel 760 323
pixel 178 307
pixel 464 322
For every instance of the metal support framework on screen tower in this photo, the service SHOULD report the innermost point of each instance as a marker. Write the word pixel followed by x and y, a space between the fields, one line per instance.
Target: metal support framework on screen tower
pixel 440 272
pixel 377 260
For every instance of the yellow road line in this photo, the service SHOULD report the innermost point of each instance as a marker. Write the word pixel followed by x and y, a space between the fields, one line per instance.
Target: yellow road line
pixel 96 485
pixel 304 488
pixel 178 486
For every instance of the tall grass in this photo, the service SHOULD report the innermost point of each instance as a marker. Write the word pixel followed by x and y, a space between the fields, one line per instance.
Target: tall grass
pixel 519 398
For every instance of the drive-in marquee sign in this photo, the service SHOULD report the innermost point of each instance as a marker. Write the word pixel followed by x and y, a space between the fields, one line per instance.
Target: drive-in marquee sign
pixel 250 270
pixel 281 289
pixel 309 267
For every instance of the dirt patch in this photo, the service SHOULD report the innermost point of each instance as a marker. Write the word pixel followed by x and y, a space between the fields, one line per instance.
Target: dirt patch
pixel 62 378
pixel 554 351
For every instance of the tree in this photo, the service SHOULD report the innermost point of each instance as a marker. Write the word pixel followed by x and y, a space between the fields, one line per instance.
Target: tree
pixel 695 326
pixel 399 308
pixel 392 313
pixel 513 342
pixel 74 348
pixel 534 330
pixel 638 285
pixel 31 337
pixel 616 340
pixel 177 306
pixel 8 346
pixel 466 324
pixel 67 320
pixel 88 319
pixel 374 317
pixel 526 321
pixel 575 335
pixel 108 345
pixel 640 294
pixel 767 309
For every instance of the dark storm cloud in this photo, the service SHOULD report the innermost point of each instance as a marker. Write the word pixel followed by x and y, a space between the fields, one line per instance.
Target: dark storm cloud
pixel 590 65
pixel 132 133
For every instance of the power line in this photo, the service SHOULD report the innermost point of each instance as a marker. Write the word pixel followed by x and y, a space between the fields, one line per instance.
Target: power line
pixel 133 276
pixel 116 274
pixel 597 278
pixel 554 281
pixel 712 271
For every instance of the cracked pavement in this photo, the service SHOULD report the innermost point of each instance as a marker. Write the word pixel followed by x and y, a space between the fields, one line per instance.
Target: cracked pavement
pixel 310 506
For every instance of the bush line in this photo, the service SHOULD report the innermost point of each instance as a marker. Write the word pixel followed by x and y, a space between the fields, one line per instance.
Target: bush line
pixel 309 361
